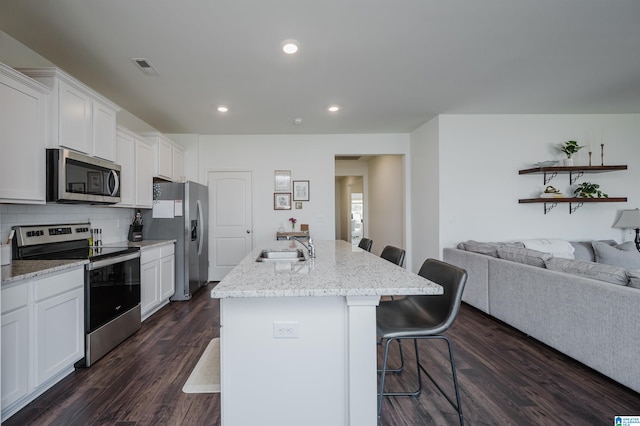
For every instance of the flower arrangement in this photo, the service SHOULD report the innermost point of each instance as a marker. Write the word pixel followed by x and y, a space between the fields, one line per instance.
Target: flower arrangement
pixel 293 221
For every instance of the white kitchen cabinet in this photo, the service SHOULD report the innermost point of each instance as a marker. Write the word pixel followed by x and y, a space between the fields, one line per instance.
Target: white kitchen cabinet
pixel 149 279
pixel 59 324
pixel 135 156
pixel 80 119
pixel 168 157
pixel 42 335
pixel 23 112
pixel 104 131
pixel 167 271
pixel 157 277
pixel 126 157
pixel 178 164
pixel 144 173
pixel 15 344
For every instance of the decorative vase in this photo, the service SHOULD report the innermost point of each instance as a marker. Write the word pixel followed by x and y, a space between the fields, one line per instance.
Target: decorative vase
pixel 568 161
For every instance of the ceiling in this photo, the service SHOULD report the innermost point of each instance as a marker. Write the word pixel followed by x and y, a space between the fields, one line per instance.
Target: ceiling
pixel 390 65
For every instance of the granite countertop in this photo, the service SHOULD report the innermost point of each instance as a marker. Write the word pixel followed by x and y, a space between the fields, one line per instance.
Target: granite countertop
pixel 25 269
pixel 339 269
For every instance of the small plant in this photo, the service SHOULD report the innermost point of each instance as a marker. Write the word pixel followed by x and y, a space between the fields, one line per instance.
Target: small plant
pixel 293 222
pixel 570 148
pixel 589 190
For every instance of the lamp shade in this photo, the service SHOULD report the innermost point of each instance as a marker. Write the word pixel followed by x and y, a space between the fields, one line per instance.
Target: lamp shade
pixel 628 219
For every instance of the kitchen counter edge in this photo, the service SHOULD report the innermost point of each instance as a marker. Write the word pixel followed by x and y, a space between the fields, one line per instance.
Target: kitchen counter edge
pixel 25 269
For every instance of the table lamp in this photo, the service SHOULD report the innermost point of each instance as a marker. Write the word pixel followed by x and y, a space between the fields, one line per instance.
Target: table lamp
pixel 630 219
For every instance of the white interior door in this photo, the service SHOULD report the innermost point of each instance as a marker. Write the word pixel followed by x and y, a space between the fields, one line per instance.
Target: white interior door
pixel 230 218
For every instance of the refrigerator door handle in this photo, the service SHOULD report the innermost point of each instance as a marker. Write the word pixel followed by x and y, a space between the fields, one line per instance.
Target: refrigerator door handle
pixel 200 228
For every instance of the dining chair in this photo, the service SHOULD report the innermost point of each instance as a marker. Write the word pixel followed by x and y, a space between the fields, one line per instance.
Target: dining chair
pixel 366 244
pixel 393 255
pixel 423 317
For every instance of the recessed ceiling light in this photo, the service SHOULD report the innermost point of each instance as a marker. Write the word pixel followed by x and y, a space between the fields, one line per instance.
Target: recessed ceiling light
pixel 223 108
pixel 290 46
pixel 333 108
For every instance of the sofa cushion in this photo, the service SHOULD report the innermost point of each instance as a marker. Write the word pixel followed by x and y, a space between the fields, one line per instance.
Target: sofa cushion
pixel 634 278
pixel 624 255
pixel 554 246
pixel 523 255
pixel 597 271
pixel 583 250
pixel 489 249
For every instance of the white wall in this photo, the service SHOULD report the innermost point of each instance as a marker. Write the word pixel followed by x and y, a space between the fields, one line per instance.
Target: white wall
pixel 479 158
pixel 425 179
pixel 387 200
pixel 309 157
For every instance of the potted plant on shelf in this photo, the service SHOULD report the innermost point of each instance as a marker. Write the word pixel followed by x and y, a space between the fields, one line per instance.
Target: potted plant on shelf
pixel 589 190
pixel 569 148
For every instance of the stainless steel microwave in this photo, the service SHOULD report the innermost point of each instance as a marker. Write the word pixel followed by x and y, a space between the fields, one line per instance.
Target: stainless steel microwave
pixel 76 178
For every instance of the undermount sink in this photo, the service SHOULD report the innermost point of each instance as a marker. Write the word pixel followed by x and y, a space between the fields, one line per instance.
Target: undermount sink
pixel 284 255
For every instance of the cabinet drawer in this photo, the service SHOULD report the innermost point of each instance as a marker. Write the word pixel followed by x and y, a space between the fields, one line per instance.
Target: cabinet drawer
pixel 149 255
pixel 15 297
pixel 59 283
pixel 167 250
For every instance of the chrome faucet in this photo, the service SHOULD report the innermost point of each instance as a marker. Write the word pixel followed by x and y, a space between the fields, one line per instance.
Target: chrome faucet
pixel 309 246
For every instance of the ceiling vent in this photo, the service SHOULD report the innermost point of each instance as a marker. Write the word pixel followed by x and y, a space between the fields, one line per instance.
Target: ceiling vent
pixel 145 66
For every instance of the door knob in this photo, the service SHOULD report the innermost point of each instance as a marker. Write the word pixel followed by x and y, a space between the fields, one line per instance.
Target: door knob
pixel 248 231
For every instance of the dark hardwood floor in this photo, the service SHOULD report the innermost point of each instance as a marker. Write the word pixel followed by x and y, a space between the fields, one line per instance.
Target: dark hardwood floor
pixel 506 378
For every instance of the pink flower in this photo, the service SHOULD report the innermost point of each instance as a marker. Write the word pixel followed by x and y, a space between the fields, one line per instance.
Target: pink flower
pixel 292 220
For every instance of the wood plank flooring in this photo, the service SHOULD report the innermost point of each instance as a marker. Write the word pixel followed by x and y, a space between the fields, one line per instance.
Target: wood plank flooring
pixel 505 378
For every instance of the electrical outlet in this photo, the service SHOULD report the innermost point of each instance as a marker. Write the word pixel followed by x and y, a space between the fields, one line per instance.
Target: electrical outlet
pixel 286 330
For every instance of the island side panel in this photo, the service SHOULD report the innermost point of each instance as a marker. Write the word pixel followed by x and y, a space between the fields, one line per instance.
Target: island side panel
pixel 284 381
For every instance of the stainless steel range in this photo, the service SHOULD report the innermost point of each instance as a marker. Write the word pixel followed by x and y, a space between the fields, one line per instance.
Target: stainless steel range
pixel 112 281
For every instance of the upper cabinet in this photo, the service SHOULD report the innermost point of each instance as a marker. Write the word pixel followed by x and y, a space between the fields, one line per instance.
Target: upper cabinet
pixel 80 118
pixel 168 157
pixel 135 155
pixel 23 112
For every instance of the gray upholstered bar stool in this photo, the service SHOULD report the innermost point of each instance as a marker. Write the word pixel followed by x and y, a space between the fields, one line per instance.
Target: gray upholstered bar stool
pixel 365 244
pixel 423 317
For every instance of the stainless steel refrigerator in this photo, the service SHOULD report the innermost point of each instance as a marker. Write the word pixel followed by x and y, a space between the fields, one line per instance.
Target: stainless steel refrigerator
pixel 180 212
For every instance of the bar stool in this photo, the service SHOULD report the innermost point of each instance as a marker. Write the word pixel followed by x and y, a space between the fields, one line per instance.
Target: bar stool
pixel 366 244
pixel 423 317
pixel 393 255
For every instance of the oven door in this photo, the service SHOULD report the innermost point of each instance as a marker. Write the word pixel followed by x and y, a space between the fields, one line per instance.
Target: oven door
pixel 113 288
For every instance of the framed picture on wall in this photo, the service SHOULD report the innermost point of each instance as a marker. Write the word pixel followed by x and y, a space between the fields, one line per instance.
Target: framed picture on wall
pixel 300 190
pixel 282 201
pixel 283 180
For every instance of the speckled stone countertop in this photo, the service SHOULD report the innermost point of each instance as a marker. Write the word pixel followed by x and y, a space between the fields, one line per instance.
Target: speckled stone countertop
pixel 339 269
pixel 25 269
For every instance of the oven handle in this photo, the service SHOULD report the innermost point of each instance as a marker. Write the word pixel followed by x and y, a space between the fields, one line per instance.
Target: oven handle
pixel 111 261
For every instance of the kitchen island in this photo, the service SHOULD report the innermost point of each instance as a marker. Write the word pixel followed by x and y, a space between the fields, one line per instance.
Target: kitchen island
pixel 298 339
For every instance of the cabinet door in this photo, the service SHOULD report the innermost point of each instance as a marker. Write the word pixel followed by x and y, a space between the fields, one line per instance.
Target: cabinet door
pixel 15 356
pixel 144 174
pixel 167 277
pixel 59 333
pixel 74 118
pixel 104 131
pixel 178 164
pixel 22 138
pixel 125 156
pixel 165 159
pixel 149 286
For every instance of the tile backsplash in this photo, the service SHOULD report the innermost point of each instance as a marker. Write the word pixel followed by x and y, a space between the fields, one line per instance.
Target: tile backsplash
pixel 114 221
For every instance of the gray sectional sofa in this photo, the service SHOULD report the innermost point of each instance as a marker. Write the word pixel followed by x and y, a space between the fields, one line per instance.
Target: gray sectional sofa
pixel 587 310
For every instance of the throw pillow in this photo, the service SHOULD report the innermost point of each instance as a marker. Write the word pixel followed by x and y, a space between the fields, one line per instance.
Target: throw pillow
pixel 597 271
pixel 583 250
pixel 523 255
pixel 634 279
pixel 625 255
pixel 482 248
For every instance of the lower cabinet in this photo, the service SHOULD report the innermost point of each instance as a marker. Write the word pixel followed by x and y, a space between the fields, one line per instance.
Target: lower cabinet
pixel 157 278
pixel 42 335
